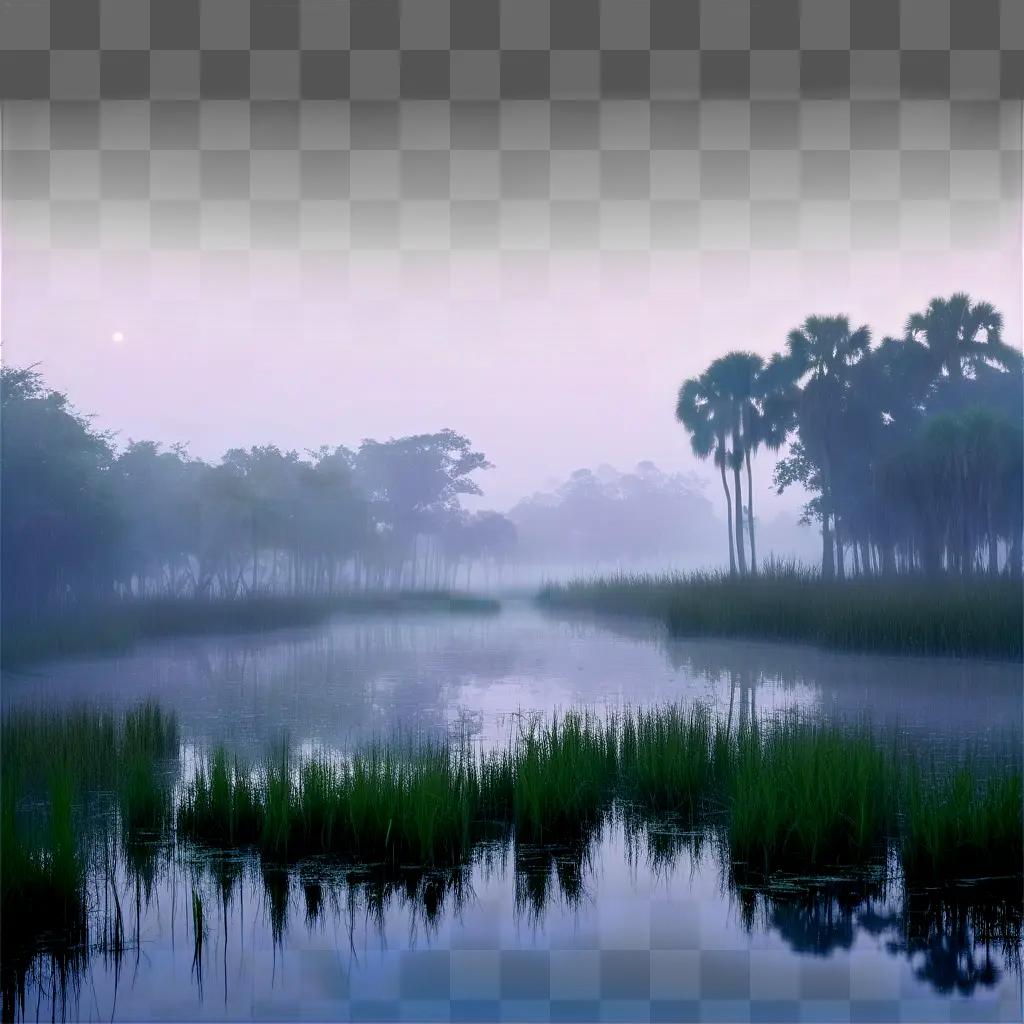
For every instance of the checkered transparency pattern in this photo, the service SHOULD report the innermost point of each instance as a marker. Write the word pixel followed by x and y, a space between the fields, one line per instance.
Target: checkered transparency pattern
pixel 510 49
pixel 730 129
pixel 743 176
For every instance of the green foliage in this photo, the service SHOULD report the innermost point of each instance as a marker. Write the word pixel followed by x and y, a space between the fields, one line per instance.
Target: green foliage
pixel 670 761
pixel 956 616
pixel 104 545
pixel 42 878
pixel 784 795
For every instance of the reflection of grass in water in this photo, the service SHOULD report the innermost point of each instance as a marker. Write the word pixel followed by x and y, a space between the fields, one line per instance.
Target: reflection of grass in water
pixel 198 933
pixel 543 871
pixel 277 890
pixel 913 616
pixel 424 893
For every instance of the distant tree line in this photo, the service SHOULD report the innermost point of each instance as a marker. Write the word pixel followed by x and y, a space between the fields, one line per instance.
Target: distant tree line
pixel 911 449
pixel 600 518
pixel 82 521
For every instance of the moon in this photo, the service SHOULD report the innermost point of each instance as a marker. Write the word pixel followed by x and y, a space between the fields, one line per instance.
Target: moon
pixel 117 337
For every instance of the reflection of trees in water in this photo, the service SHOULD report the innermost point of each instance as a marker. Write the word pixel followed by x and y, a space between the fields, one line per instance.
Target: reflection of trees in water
pixel 814 919
pixel 953 944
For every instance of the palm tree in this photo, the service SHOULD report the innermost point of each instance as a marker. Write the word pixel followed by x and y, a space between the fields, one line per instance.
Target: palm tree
pixel 960 335
pixel 702 409
pixel 821 352
pixel 735 376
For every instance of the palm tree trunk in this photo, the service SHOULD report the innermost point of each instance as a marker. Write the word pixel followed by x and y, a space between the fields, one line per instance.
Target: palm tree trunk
pixel 828 566
pixel 750 517
pixel 741 556
pixel 728 520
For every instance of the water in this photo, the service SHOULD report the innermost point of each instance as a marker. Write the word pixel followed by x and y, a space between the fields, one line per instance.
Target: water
pixel 626 929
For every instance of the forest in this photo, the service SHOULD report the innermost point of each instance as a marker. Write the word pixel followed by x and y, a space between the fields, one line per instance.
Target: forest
pixel 85 522
pixel 910 449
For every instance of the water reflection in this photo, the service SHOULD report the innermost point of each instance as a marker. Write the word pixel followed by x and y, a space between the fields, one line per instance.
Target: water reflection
pixel 211 916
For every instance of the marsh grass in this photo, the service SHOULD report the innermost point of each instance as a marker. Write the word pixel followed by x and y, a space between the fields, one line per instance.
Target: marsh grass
pixel 94 744
pixel 907 615
pixel 787 795
pixel 959 827
pixel 808 797
pixel 564 777
pixel 672 761
pixel 779 795
pixel 53 766
pixel 42 889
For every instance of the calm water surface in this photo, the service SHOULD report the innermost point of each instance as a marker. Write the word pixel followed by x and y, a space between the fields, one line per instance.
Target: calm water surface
pixel 633 928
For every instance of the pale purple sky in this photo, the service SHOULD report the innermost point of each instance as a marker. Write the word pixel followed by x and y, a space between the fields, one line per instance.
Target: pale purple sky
pixel 548 369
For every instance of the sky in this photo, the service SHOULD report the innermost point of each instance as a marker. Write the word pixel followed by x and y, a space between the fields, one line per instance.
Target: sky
pixel 546 366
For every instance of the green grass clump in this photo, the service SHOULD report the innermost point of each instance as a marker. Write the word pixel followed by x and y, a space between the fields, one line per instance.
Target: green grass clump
pixel 787 795
pixel 564 778
pixel 668 760
pixel 418 804
pixel 144 796
pixel 959 827
pixel 94 744
pixel 907 615
pixel 804 796
pixel 221 806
